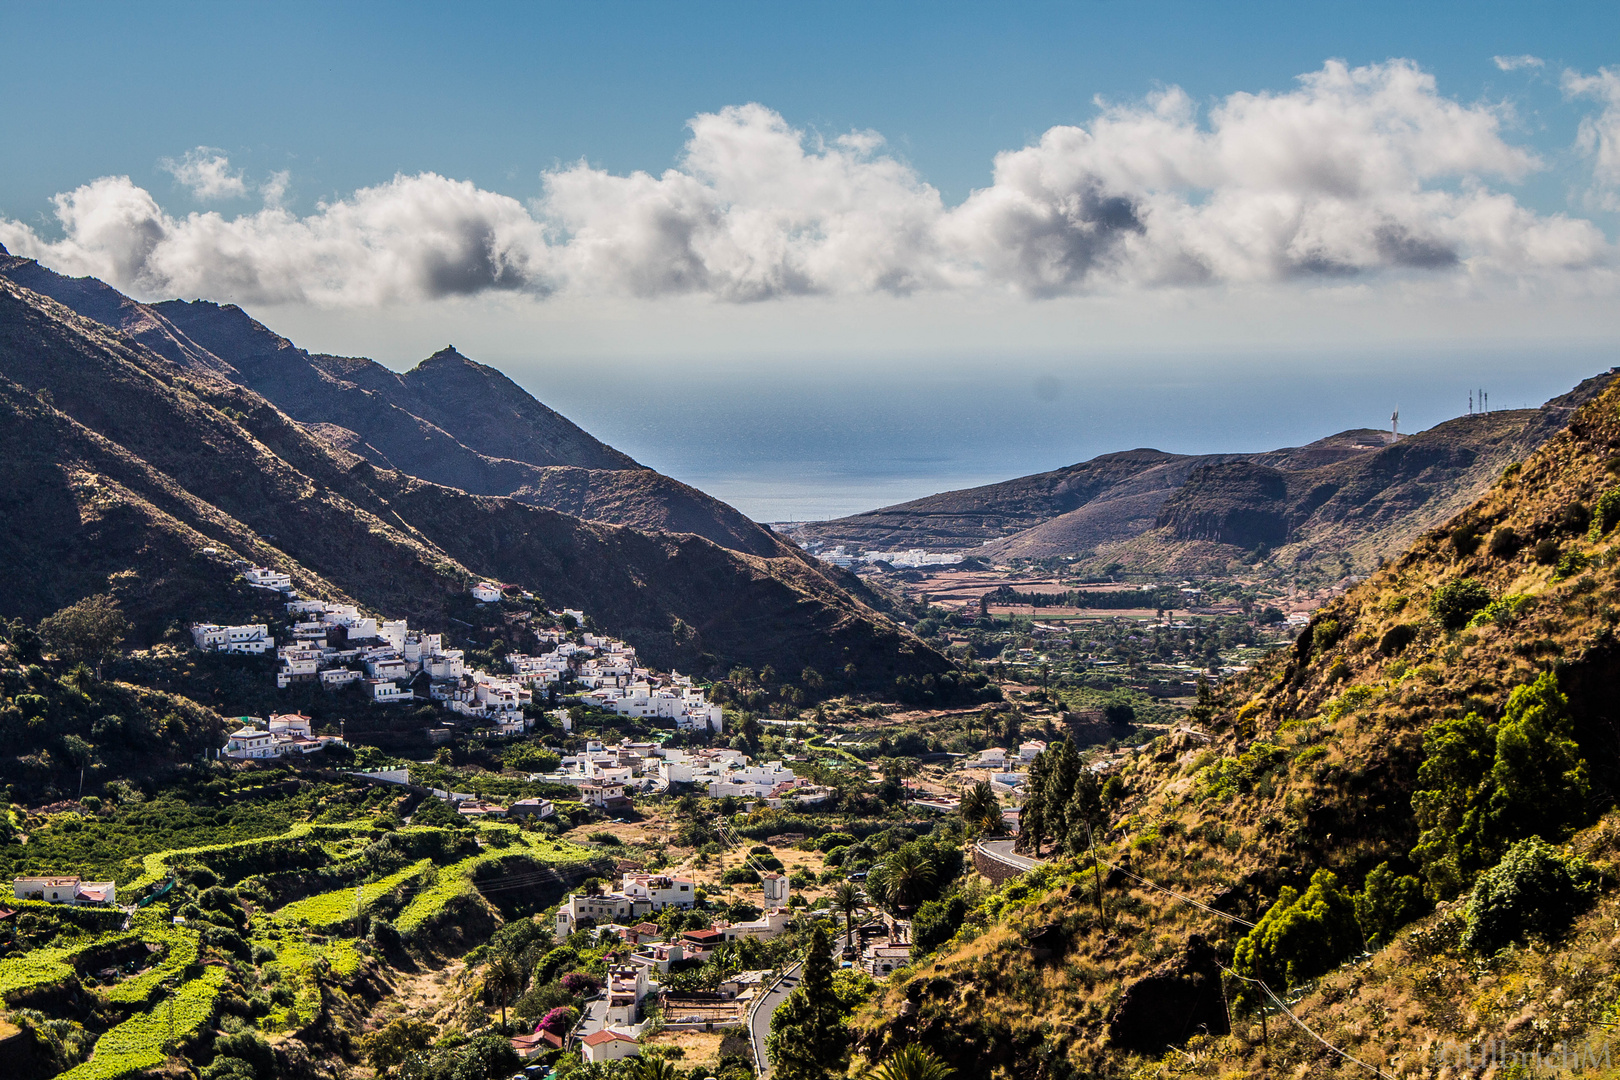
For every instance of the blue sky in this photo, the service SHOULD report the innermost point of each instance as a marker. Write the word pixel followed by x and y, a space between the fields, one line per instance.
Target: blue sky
pixel 776 222
pixel 347 94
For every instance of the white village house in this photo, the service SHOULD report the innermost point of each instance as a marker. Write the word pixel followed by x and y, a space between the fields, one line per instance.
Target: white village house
pixel 65 890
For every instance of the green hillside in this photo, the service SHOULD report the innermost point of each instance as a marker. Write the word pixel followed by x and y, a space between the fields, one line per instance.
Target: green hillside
pixel 1382 785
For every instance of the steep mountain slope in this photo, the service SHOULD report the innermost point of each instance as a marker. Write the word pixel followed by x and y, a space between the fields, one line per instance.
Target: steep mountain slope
pixel 1113 497
pixel 121 467
pixel 448 420
pixel 1339 504
pixel 1313 763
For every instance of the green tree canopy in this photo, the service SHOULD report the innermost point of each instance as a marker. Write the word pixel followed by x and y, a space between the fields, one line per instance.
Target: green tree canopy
pixel 1386 903
pixel 1534 889
pixel 1301 936
pixel 981 809
pixel 1482 786
pixel 808 1040
pixel 87 632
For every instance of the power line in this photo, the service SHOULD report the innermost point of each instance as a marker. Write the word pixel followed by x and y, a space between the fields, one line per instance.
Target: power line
pixel 1257 982
pixel 1171 892
pixel 1301 1024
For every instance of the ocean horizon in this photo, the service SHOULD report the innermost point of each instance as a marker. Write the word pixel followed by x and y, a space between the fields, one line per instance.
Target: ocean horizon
pixel 787 443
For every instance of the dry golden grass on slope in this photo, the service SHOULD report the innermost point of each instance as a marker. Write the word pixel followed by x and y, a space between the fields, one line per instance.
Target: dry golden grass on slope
pixel 1312 766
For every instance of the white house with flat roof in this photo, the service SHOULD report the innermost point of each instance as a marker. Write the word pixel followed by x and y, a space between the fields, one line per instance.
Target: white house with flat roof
pixel 252 638
pixel 262 577
pixel 389 693
pixel 65 890
pixel 250 742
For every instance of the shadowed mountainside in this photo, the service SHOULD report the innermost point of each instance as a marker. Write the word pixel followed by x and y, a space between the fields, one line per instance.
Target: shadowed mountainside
pixel 1343 502
pixel 448 420
pixel 119 468
pixel 1115 496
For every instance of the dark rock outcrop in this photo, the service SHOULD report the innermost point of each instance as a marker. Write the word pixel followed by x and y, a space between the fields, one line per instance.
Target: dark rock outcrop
pixel 1175 1002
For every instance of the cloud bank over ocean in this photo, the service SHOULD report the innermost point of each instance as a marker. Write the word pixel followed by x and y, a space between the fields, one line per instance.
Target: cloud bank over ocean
pixel 1356 173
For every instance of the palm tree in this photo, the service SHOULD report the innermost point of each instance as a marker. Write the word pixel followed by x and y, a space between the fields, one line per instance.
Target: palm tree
pixel 912 1063
pixel 652 1068
pixel 848 899
pixel 981 809
pixel 899 879
pixel 500 979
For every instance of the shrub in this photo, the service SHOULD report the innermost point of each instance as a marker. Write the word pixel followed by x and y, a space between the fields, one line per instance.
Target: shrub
pixel 581 984
pixel 1326 635
pixel 1301 936
pixel 1465 539
pixel 1386 903
pixel 1501 612
pixel 1547 551
pixel 1455 602
pixel 1397 638
pixel 1505 543
pixel 1570 565
pixel 1605 513
pixel 244 1054
pixel 1575 519
pixel 559 1021
pixel 827 841
pixel 1533 889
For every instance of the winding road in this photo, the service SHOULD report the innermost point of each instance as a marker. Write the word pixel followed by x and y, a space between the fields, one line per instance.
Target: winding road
pixel 759 1017
pixel 1002 852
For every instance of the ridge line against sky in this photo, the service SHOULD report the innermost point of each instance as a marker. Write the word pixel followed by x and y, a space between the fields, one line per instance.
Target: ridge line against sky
pixel 1355 172
pixel 820 259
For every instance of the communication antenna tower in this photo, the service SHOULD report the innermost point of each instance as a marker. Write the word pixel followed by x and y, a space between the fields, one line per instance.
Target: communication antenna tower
pixel 1395 426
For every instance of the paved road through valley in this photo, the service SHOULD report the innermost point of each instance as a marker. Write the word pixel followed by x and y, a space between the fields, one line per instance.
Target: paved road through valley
pixel 759 1019
pixel 1002 851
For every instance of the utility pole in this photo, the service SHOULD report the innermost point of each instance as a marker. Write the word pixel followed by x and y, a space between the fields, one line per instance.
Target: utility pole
pixel 1096 873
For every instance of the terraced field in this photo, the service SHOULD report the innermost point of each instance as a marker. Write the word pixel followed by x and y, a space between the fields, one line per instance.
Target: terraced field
pixel 137 1043
pixel 339 905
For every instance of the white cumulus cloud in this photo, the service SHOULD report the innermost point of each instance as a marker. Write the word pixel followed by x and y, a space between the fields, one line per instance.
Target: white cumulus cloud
pixel 1599 136
pixel 1519 63
pixel 1353 171
pixel 208 174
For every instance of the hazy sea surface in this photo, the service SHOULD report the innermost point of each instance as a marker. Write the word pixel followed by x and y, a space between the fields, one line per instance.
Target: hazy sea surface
pixel 797 442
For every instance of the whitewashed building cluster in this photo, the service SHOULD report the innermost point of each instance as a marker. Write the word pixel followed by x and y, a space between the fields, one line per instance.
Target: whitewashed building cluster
pixel 286 733
pixel 613 680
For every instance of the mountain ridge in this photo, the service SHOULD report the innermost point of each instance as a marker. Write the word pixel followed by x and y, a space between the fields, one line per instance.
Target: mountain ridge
pixel 121 468
pixel 420 421
pixel 1339 504
pixel 1339 757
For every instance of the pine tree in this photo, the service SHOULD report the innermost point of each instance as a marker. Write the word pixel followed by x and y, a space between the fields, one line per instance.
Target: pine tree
pixel 1063 771
pixel 807 1039
pixel 1032 818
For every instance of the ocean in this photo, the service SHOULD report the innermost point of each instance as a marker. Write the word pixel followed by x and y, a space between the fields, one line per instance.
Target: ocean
pixel 792 441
